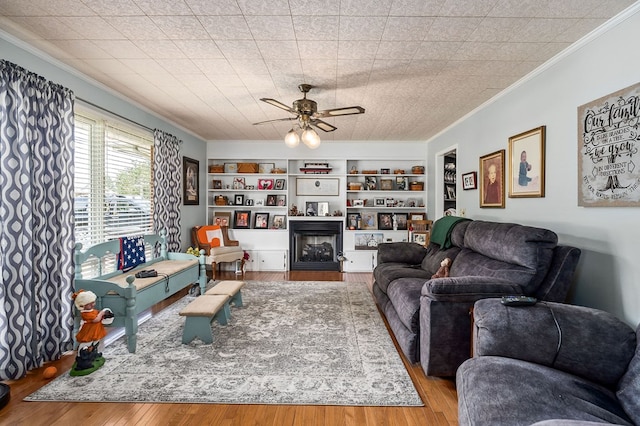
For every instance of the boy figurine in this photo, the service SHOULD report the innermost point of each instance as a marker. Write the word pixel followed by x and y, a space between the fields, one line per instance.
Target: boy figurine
pixel 90 335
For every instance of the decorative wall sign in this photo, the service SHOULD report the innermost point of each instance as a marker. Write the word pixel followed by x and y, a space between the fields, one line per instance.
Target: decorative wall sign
pixel 318 186
pixel 608 141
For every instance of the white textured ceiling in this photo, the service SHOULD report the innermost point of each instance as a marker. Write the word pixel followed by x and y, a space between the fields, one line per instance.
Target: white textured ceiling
pixel 416 66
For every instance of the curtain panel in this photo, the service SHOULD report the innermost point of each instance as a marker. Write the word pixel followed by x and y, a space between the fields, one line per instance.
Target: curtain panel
pixel 167 187
pixel 36 217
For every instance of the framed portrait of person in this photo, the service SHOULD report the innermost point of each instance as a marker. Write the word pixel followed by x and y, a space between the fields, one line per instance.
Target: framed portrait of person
pixel 492 180
pixel 242 219
pixel 526 164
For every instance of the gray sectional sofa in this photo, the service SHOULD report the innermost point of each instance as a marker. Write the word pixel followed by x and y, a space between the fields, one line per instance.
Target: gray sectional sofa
pixel 549 364
pixel 430 317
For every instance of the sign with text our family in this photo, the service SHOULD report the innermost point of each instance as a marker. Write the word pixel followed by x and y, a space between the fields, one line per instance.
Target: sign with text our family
pixel 608 139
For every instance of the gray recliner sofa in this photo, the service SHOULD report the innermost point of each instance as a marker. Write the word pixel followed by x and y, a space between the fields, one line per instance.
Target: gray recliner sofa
pixel 430 317
pixel 549 364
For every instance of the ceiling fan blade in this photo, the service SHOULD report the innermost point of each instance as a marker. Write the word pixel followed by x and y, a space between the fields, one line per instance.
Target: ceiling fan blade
pixel 278 104
pixel 340 111
pixel 277 119
pixel 322 125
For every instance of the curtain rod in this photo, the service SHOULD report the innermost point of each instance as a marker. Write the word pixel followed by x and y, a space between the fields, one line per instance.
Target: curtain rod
pixel 114 114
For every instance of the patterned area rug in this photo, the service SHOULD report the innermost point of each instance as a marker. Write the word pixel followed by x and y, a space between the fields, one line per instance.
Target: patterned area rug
pixel 293 342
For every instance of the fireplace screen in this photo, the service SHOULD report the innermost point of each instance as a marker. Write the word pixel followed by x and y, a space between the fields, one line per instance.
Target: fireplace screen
pixel 315 245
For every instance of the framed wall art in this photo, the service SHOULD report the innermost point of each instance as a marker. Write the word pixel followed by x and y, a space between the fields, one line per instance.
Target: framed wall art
pixel 385 221
pixel 190 181
pixel 369 220
pixel 492 175
pixel 318 186
pixel 526 164
pixel 469 181
pixel 401 220
pixel 279 222
pixel 221 218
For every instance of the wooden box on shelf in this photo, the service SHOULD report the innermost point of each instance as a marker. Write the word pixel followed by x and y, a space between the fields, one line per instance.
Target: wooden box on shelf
pixel 216 168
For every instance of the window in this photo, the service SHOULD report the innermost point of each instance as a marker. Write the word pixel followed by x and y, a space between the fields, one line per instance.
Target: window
pixel 113 180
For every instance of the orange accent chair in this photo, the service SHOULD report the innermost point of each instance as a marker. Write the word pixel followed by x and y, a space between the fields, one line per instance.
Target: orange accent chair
pixel 218 247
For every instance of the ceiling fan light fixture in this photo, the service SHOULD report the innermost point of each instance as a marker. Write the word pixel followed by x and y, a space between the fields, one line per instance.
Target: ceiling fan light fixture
pixel 310 138
pixel 291 139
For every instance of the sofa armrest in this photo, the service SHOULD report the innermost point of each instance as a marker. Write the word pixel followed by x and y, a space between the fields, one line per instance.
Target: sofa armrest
pixel 468 288
pixel 583 341
pixel 401 252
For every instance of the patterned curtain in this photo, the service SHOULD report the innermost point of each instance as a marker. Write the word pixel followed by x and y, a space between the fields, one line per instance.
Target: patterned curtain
pixel 167 184
pixel 36 220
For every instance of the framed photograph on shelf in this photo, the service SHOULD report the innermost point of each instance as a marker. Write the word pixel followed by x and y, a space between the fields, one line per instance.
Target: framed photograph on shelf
pixel 265 184
pixel 492 184
pixel 420 238
pixel 238 200
pixel 241 219
pixel 279 222
pixel 221 219
pixel 261 221
pixel 401 220
pixel 526 164
pixel 323 209
pixel 379 202
pixel 353 221
pixel 281 200
pixel 271 200
pixel 451 192
pixel 311 208
pixel 216 184
pixel 385 221
pixel 417 216
pixel 230 167
pixel 266 167
pixel 369 220
pixel 190 181
pixel 368 240
pixel 279 185
pixel 470 181
pixel 371 183
pixel 386 184
pixel 318 186
pixel 238 183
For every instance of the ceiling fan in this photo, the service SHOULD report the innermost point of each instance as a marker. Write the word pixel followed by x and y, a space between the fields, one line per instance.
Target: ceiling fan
pixel 306 111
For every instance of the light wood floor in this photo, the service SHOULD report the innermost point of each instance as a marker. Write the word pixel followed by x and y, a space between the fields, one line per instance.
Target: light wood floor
pixel 438 395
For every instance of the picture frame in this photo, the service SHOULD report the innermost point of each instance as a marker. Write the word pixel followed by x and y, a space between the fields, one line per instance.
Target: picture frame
pixel 279 221
pixel 271 200
pixel 451 193
pixel 417 216
pixel 311 208
pixel 353 221
pixel 469 181
pixel 241 219
pixel 379 202
pixel 261 221
pixel 386 184
pixel 266 167
pixel 279 185
pixel 401 221
pixel 527 164
pixel 281 200
pixel 216 184
pixel 385 221
pixel 248 202
pixel 369 220
pixel 368 240
pixel 238 200
pixel 371 183
pixel 421 238
pixel 385 171
pixel 265 184
pixel 323 209
pixel 230 167
pixel 318 186
pixel 221 218
pixel 402 183
pixel 238 183
pixel 492 175
pixel 190 181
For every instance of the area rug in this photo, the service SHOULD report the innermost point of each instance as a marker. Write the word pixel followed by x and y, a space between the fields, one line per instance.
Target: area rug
pixel 293 342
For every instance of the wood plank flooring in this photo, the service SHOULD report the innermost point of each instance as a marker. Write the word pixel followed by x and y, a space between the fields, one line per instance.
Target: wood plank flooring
pixel 438 395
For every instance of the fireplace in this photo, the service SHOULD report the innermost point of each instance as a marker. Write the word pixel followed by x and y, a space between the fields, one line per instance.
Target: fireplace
pixel 315 245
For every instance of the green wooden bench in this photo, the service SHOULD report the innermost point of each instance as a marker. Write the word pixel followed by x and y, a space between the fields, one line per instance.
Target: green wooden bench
pixel 200 314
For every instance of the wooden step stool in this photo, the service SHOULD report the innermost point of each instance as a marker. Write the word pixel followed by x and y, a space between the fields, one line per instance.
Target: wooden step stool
pixel 229 288
pixel 200 314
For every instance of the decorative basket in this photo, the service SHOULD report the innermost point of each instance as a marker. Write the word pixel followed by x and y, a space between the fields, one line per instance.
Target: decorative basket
pixel 398 172
pixel 221 200
pixel 417 170
pixel 416 186
pixel 216 168
pixel 355 186
pixel 248 168
pixel 369 172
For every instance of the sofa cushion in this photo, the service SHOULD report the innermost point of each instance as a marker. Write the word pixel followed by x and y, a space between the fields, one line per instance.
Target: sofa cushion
pixel 521 254
pixel 506 391
pixel 404 294
pixel 385 273
pixel 629 388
